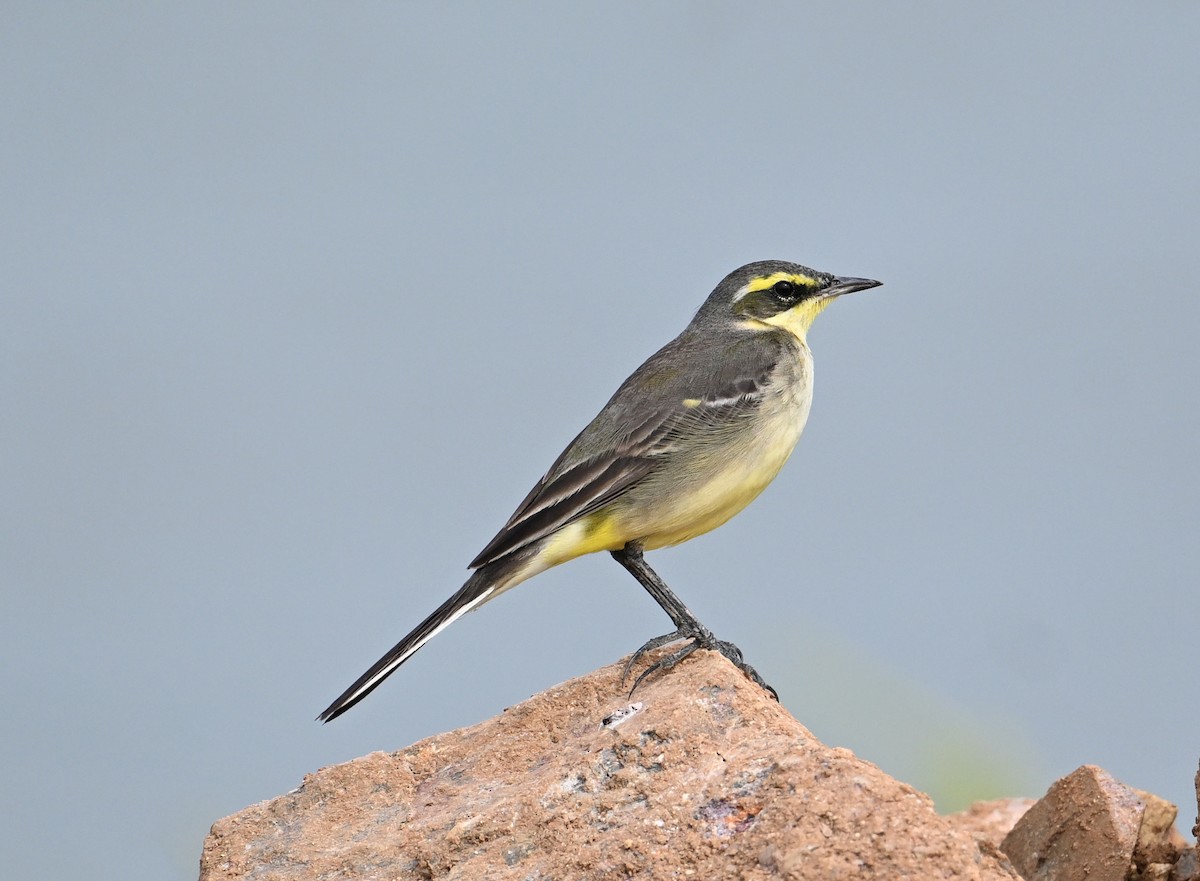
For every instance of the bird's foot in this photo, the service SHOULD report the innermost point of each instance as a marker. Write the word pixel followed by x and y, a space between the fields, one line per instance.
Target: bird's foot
pixel 650 645
pixel 698 639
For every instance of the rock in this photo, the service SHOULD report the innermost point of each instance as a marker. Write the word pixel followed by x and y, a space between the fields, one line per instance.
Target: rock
pixel 1089 825
pixel 1196 828
pixel 1158 842
pixel 990 821
pixel 703 776
pixel 1187 867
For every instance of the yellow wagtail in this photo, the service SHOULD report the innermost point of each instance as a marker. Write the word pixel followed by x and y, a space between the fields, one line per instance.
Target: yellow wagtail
pixel 686 442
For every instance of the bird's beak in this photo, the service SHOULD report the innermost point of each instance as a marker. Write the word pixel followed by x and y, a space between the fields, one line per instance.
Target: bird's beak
pixel 846 285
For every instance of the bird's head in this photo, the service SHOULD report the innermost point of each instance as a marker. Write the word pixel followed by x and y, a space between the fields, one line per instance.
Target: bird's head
pixel 774 293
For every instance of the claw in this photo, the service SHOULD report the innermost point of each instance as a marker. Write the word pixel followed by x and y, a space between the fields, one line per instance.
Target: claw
pixel 666 663
pixel 650 645
pixel 703 639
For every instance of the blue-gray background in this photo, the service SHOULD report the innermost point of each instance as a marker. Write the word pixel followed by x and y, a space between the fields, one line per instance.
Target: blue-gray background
pixel 298 301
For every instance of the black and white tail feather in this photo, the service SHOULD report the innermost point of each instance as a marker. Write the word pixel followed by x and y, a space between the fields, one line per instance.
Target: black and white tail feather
pixel 480 587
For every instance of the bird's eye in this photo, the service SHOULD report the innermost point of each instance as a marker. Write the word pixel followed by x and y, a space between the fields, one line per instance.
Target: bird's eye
pixel 784 288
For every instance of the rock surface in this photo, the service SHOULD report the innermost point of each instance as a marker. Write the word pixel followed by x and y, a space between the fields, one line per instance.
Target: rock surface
pixel 704 776
pixel 990 821
pixel 1089 825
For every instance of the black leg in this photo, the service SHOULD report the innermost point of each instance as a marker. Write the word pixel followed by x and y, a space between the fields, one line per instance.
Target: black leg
pixel 686 624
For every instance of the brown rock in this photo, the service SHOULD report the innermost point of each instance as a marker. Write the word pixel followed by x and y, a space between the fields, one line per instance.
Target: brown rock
pixel 1187 867
pixel 1091 826
pixel 1196 828
pixel 702 777
pixel 990 821
pixel 1158 842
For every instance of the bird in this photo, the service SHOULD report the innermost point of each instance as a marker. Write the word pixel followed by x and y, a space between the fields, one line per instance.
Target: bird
pixel 686 442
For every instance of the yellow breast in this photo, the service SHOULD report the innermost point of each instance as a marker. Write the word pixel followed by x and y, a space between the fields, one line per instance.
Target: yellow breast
pixel 740 471
pixel 707 484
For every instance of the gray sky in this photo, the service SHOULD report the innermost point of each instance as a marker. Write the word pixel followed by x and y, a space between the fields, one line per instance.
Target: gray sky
pixel 300 301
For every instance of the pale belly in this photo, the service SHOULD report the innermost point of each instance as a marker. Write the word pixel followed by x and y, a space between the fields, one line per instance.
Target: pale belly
pixel 694 509
pixel 703 493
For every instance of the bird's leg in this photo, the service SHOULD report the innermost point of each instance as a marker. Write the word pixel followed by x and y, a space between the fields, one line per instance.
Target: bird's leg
pixel 687 626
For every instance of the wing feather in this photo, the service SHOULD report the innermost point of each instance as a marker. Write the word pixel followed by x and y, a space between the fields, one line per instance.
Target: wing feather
pixel 575 486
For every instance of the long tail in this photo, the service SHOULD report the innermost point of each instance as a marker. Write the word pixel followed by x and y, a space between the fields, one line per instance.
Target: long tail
pixel 484 584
